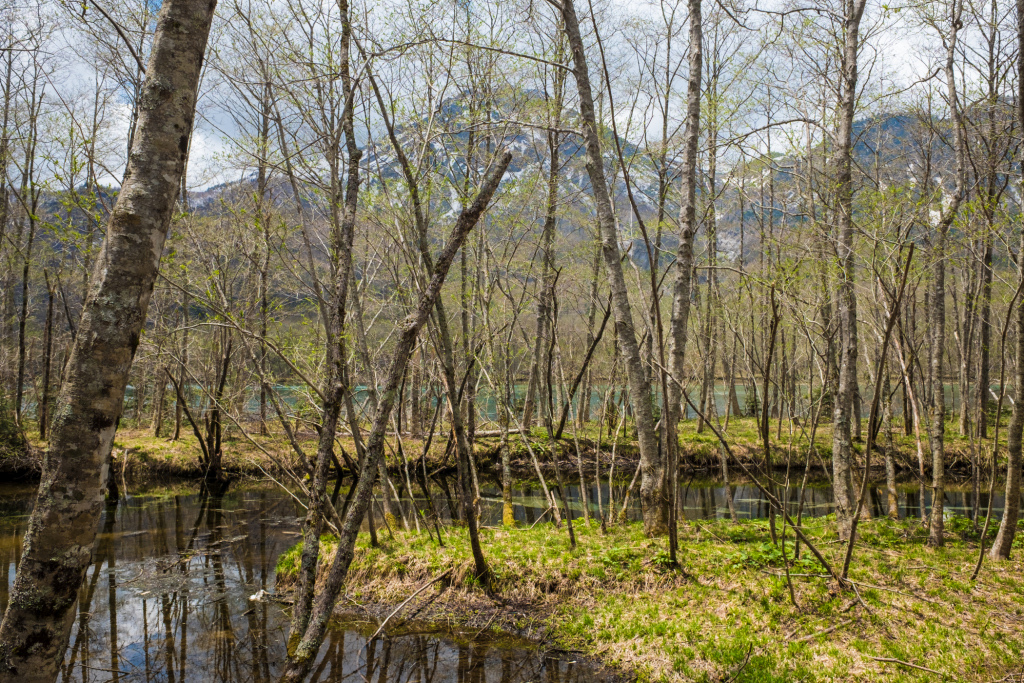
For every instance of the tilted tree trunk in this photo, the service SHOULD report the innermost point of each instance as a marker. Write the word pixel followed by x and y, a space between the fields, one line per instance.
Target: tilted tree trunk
pixel 309 642
pixel 653 496
pixel 59 542
pixel 392 510
pixel 463 449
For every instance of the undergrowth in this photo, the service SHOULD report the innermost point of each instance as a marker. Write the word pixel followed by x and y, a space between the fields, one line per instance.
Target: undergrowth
pixel 726 612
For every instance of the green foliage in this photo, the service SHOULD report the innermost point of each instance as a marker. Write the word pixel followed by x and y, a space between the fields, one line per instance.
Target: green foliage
pixel 768 554
pixel 612 595
pixel 290 560
pixel 893 534
pixel 663 560
pixel 965 528
pixel 623 561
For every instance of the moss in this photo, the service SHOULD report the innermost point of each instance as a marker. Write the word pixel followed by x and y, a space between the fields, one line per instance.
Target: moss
pixel 508 517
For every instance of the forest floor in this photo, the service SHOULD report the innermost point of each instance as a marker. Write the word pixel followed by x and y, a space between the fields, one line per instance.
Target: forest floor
pixel 140 455
pixel 726 614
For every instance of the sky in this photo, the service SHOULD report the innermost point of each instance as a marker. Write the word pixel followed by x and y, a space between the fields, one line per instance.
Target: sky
pixel 904 51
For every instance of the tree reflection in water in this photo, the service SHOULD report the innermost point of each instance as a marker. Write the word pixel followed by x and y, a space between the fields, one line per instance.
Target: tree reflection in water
pixel 178 568
pixel 167 597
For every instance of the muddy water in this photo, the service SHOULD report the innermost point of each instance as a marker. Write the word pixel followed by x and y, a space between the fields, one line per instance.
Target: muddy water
pixel 168 599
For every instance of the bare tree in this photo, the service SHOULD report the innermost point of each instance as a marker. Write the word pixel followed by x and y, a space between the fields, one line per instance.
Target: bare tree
pixel 653 486
pixel 1011 512
pixel 58 546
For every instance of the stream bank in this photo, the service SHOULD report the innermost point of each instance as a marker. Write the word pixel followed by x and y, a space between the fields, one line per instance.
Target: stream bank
pixel 726 613
pixel 139 456
pixel 177 592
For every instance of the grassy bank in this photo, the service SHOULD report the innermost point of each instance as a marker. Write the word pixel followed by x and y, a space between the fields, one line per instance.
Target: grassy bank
pixel 728 614
pixel 139 455
pixel 700 449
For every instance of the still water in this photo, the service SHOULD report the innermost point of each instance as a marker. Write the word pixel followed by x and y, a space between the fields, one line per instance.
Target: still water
pixel 703 499
pixel 168 596
pixel 167 600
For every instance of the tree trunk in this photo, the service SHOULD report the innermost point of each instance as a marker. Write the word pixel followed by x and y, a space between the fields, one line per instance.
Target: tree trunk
pixel 415 400
pixel 22 321
pixel 336 389
pixel 1011 510
pixel 937 316
pixel 158 401
pixel 937 407
pixel 652 486
pixel 732 404
pixel 179 407
pixel 44 403
pixel 538 362
pixel 985 340
pixel 58 545
pixel 588 386
pixel 309 642
pixel 892 500
pixel 842 448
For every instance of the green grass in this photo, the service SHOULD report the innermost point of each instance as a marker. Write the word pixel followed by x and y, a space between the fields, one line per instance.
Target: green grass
pixel 614 597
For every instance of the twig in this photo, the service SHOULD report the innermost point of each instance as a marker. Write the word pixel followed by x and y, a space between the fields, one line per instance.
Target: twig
pixel 486 626
pixel 890 660
pixel 873 422
pixel 131 49
pixel 995 437
pixel 830 629
pixel 767 494
pixel 109 671
pixel 712 534
pixel 893 590
pixel 746 660
pixel 860 599
pixel 542 516
pixel 422 588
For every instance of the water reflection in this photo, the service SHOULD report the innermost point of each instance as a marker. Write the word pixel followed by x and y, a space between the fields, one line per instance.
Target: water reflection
pixel 699 499
pixel 168 599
